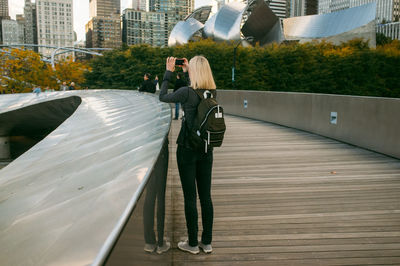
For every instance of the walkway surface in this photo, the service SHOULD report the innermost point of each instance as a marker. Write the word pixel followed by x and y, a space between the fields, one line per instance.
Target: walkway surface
pixel 284 197
pixel 287 197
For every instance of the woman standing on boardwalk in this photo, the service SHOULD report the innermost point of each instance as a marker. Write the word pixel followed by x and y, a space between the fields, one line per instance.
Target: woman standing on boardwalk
pixel 195 167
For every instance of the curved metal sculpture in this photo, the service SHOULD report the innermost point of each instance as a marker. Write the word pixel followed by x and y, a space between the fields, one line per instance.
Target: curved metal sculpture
pixel 201 14
pixel 184 31
pixel 331 24
pixel 64 201
pixel 226 25
pixel 237 21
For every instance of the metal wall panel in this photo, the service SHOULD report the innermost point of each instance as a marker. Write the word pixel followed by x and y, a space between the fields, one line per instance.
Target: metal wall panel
pixel 325 25
pixel 65 200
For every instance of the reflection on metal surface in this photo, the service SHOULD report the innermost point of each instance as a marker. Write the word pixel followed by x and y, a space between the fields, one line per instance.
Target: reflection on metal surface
pixel 325 25
pixel 236 20
pixel 184 31
pixel 262 24
pixel 228 21
pixel 201 14
pixel 65 200
pixel 209 26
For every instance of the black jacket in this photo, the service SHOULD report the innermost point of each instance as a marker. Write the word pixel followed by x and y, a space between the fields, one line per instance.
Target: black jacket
pixel 189 100
pixel 148 86
pixel 179 83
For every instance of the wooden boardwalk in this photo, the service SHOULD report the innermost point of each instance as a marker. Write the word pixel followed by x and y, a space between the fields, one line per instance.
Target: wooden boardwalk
pixel 286 197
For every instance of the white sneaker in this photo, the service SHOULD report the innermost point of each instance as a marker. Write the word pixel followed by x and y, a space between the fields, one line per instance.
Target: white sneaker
pixel 149 247
pixel 205 248
pixel 164 247
pixel 184 245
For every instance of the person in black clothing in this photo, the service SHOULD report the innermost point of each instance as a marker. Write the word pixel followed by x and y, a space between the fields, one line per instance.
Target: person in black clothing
pixel 179 83
pixel 147 85
pixel 195 167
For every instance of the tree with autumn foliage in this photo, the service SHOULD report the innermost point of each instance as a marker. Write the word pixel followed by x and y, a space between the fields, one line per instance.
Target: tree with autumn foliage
pixel 351 68
pixel 21 70
pixel 69 71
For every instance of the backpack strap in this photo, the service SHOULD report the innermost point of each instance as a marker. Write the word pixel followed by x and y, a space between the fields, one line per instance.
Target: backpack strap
pixel 204 94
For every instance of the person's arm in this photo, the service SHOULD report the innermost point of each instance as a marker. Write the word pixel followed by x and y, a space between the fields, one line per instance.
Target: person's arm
pixel 179 96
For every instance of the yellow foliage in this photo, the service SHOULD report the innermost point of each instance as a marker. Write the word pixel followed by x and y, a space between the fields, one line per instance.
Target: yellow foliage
pixel 22 70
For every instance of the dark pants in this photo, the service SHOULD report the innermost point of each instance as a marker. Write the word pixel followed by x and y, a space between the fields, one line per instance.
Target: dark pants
pixel 195 168
pixel 156 189
pixel 176 110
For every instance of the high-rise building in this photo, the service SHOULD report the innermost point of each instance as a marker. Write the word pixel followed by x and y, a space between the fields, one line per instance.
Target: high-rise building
pixel 21 28
pixel 303 7
pixel 54 24
pixel 4 9
pixel 9 31
pixel 386 10
pixel 279 7
pixel 144 27
pixel 142 5
pixel 104 8
pixel 154 27
pixel 103 32
pixel 104 28
pixel 30 24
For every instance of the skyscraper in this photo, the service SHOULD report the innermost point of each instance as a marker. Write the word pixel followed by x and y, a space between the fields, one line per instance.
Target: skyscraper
pixel 104 28
pixel 30 23
pixel 142 5
pixel 54 24
pixel 303 7
pixel 155 25
pixel 386 10
pixel 4 9
pixel 104 8
pixel 279 7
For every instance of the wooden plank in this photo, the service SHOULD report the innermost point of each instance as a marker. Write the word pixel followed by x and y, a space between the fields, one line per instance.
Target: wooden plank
pixel 286 197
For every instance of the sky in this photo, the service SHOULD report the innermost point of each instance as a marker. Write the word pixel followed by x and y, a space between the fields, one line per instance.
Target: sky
pixel 81 12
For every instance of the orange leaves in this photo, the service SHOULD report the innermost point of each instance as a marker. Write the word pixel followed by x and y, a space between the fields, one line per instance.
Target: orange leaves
pixel 70 71
pixel 22 70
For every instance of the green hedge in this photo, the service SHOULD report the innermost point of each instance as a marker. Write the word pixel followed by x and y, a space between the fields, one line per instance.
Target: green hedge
pixel 351 68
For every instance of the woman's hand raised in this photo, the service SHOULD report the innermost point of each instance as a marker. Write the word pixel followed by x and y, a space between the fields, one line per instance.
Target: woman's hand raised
pixel 171 64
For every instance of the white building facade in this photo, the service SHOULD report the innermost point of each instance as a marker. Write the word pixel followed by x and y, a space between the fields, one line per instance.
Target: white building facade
pixel 10 30
pixel 54 24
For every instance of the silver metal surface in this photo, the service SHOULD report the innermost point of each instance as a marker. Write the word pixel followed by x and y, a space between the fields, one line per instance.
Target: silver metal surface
pixel 183 31
pixel 64 201
pixel 208 30
pixel 201 14
pixel 228 22
pixel 235 21
pixel 325 25
pixel 261 23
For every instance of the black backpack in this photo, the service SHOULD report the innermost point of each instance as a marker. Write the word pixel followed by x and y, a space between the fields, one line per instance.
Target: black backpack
pixel 209 124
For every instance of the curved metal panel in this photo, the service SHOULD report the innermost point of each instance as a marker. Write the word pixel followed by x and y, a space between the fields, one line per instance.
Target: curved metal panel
pixel 183 31
pixel 262 24
pixel 228 22
pixel 64 201
pixel 325 25
pixel 209 26
pixel 200 14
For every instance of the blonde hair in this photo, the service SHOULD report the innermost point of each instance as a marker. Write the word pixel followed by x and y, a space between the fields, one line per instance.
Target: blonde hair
pixel 200 73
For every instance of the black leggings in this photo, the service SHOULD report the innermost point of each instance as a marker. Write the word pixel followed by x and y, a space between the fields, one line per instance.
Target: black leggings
pixel 196 168
pixel 156 189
